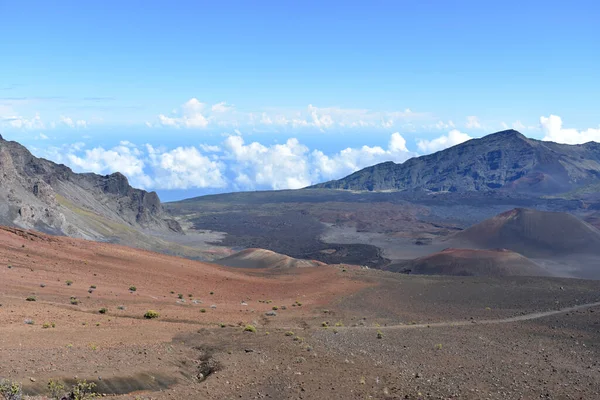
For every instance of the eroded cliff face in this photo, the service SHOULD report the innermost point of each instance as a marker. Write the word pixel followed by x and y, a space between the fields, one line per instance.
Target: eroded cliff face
pixel 38 194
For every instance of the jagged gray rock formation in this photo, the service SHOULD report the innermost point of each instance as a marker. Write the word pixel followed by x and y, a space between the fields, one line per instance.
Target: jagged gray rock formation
pixel 505 160
pixel 38 194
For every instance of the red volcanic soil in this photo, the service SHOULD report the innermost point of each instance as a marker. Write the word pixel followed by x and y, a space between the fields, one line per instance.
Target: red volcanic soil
pixel 323 344
pixel 533 233
pixel 261 258
pixel 29 260
pixel 466 262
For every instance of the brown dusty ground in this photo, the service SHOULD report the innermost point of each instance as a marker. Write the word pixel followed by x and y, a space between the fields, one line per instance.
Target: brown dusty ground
pixel 437 341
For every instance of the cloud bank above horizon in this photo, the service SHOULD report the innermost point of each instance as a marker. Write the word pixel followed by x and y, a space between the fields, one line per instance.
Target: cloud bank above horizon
pixel 236 163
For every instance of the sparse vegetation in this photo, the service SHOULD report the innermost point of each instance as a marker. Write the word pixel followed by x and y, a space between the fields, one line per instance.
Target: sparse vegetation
pixel 74 301
pixel 56 389
pixel 151 314
pixel 46 325
pixel 132 288
pixel 203 310
pixel 82 390
pixel 180 295
pixel 379 334
pixel 289 333
pixel 93 287
pixel 103 310
pixel 11 390
pixel 31 298
pixel 69 283
pixel 120 307
pixel 250 328
pixel 275 308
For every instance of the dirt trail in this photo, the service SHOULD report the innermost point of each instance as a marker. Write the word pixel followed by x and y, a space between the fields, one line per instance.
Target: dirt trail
pixel 524 317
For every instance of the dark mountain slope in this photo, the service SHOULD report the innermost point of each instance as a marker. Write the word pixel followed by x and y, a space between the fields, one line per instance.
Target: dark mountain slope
pixel 534 234
pixel 464 262
pixel 504 160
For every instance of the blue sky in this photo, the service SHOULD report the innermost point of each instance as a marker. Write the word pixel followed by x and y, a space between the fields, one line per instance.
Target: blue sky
pixel 192 97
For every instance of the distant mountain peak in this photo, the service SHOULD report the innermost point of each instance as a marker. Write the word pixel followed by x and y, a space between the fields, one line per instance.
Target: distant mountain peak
pixel 505 160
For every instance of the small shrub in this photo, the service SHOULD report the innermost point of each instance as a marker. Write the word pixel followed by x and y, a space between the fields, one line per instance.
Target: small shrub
pixel 379 334
pixel 120 307
pixel 275 308
pixel 438 346
pixel 46 325
pixel 42 285
pixel 180 295
pixel 74 301
pixel 289 333
pixel 338 324
pixel 93 287
pixel 69 283
pixel 31 298
pixel 132 288
pixel 222 325
pixel 83 391
pixel 325 324
pixel 202 310
pixel 103 310
pixel 190 296
pixel 11 390
pixel 250 328
pixel 172 292
pixel 151 314
pixel 56 389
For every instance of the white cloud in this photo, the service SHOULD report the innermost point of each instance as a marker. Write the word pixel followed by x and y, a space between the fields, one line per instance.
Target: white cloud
pixel 221 107
pixel 68 121
pixel 125 158
pixel 191 116
pixel 194 114
pixel 553 130
pixel 453 138
pixel 280 166
pixel 473 122
pixel 19 122
pixel 234 164
pixel 184 168
pixel 352 159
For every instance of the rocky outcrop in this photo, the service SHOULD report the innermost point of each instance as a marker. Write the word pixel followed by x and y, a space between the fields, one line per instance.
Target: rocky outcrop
pixel 39 194
pixel 505 160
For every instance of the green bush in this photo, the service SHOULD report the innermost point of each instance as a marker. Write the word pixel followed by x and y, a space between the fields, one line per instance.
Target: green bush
pixel 69 283
pixel 103 310
pixel 56 389
pixel 82 391
pixel 379 334
pixel 151 314
pixel 250 328
pixel 31 298
pixel 74 301
pixel 132 288
pixel 11 390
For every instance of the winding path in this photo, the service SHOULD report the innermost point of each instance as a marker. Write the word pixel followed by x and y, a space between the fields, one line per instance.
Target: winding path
pixel 524 317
